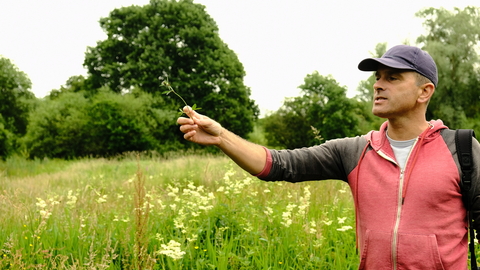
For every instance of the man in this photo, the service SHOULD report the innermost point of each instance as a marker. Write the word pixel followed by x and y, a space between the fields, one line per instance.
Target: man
pixel 405 178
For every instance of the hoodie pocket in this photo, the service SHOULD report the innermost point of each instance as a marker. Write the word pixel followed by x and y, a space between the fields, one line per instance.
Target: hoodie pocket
pixel 418 252
pixel 413 252
pixel 377 251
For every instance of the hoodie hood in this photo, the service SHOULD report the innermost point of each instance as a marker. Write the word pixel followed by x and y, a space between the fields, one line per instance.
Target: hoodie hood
pixel 379 138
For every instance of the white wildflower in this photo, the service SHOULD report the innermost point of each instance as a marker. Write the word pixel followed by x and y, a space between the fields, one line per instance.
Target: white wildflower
pixel 71 199
pixel 159 237
pixel 344 228
pixel 102 199
pixel 45 214
pixel 341 220
pixel 41 203
pixel 172 250
pixel 287 220
pixel 193 238
pixel 268 211
pixel 327 222
pixel 248 227
pixel 313 226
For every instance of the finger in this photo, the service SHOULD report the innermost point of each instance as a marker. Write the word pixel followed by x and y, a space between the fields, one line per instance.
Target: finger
pixel 189 135
pixel 188 128
pixel 185 121
pixel 188 111
pixel 192 113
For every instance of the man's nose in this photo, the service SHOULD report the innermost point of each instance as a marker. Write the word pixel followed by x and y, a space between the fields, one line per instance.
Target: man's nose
pixel 378 85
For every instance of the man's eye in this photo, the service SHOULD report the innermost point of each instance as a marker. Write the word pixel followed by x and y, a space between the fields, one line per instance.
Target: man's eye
pixel 392 78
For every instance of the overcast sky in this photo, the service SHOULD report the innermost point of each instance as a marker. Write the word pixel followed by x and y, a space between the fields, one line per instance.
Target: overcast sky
pixel 279 42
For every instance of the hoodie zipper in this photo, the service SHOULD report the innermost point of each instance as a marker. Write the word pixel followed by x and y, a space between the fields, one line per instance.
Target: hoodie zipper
pixel 399 202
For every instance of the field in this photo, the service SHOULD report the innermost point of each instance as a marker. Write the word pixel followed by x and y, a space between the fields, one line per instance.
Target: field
pixel 184 212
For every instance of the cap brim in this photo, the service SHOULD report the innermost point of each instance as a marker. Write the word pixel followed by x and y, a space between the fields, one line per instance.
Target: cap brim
pixel 371 64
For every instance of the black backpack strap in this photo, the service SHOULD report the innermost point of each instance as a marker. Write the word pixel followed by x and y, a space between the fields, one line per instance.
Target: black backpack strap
pixel 463 142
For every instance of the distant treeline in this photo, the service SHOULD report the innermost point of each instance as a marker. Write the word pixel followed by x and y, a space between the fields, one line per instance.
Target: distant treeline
pixel 119 106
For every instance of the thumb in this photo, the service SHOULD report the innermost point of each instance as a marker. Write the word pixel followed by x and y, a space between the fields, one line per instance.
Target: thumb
pixel 194 115
pixel 188 111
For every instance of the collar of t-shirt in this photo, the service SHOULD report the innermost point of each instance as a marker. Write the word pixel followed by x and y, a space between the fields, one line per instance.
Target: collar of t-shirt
pixel 401 149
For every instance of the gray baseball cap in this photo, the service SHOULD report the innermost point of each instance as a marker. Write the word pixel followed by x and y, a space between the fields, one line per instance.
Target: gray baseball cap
pixel 404 57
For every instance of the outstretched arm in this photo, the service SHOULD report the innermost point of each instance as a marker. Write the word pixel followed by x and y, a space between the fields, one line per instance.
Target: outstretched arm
pixel 203 130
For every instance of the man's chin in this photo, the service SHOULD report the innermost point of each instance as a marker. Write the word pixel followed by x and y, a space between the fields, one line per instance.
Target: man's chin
pixel 380 114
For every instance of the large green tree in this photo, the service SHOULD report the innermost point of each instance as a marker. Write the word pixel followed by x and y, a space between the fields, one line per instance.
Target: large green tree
pixel 453 41
pixel 323 107
pixel 14 95
pixel 178 41
pixel 365 96
pixel 15 103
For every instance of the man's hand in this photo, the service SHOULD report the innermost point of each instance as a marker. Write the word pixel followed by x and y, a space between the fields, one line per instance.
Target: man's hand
pixel 203 130
pixel 200 128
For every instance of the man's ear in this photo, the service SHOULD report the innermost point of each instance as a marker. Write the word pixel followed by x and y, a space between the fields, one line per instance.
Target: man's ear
pixel 427 91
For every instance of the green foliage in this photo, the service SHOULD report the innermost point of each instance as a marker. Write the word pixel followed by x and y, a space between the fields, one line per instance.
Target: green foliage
pixel 258 134
pixel 14 96
pixel 171 90
pixel 368 121
pixel 452 40
pixel 179 40
pixel 6 139
pixel 71 125
pixel 74 84
pixel 121 123
pixel 15 102
pixel 57 127
pixel 323 106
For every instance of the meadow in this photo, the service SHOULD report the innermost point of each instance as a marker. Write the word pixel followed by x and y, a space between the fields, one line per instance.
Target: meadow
pixel 181 212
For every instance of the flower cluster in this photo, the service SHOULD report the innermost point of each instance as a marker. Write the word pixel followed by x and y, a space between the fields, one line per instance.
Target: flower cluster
pixel 46 206
pixel 189 204
pixel 172 250
pixel 232 187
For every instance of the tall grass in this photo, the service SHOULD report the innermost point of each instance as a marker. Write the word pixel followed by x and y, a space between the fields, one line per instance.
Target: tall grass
pixel 190 212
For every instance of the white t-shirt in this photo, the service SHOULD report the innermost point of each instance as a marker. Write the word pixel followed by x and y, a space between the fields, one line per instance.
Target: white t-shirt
pixel 401 149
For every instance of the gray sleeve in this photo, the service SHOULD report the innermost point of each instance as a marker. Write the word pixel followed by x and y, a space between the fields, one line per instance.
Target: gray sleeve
pixel 334 159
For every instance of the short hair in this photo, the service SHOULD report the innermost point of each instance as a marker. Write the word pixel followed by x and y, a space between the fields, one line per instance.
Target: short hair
pixel 421 80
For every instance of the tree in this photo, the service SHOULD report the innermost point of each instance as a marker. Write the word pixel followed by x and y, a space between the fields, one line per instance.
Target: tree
pixel 6 139
pixel 452 40
pixel 323 106
pixel 16 101
pixel 178 41
pixel 74 84
pixel 71 125
pixel 365 89
pixel 14 96
pixel 57 128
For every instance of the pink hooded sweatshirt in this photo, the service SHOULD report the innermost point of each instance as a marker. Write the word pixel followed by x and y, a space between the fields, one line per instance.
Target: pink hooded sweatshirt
pixel 411 219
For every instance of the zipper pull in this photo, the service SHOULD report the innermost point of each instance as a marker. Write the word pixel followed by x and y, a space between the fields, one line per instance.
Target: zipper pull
pixel 402 173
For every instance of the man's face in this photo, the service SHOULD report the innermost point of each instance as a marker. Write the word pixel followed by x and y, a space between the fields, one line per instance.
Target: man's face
pixel 395 93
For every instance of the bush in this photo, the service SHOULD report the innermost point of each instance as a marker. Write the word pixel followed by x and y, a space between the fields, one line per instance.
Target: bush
pixel 57 127
pixel 6 139
pixel 108 124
